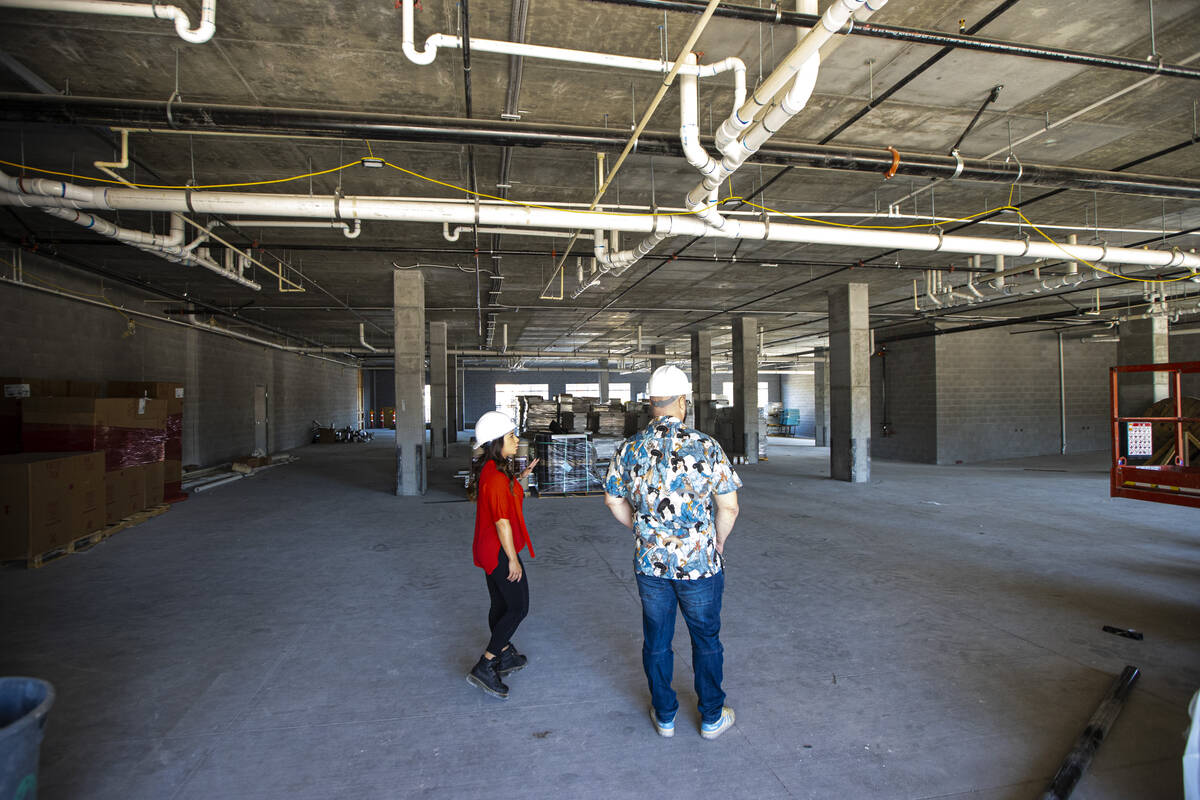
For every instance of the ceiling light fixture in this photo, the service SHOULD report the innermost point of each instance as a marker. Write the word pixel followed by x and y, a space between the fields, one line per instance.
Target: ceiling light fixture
pixel 372 161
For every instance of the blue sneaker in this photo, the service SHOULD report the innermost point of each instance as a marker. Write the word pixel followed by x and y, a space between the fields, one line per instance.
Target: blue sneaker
pixel 711 730
pixel 666 729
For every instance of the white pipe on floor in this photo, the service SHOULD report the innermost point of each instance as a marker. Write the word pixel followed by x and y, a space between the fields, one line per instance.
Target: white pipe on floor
pixel 434 211
pixel 183 26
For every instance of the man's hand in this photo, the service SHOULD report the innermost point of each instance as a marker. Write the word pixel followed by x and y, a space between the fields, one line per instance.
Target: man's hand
pixel 720 540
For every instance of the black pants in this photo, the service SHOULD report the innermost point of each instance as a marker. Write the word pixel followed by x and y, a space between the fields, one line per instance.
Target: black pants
pixel 510 603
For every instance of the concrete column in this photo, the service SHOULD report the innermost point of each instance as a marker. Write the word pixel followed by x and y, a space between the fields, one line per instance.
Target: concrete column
pixel 1143 341
pixel 702 381
pixel 439 394
pixel 821 397
pixel 604 380
pixel 849 384
pixel 745 388
pixel 408 300
pixel 453 412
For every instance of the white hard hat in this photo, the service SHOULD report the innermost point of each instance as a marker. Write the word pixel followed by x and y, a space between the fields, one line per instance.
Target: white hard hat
pixel 493 425
pixel 668 381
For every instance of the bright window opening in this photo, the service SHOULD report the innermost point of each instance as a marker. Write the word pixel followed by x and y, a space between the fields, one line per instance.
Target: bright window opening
pixel 428 416
pixel 507 394
pixel 763 393
pixel 616 391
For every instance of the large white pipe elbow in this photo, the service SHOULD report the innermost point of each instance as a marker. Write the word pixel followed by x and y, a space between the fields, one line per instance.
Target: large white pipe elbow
pixel 410 51
pixel 202 32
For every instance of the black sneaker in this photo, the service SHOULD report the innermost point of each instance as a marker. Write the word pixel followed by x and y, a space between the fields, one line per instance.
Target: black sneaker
pixel 510 661
pixel 485 676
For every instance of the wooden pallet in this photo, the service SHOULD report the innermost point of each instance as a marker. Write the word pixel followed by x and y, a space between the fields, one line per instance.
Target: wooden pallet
pixel 85 543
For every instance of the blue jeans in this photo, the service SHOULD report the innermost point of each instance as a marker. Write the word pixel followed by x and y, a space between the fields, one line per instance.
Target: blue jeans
pixel 700 602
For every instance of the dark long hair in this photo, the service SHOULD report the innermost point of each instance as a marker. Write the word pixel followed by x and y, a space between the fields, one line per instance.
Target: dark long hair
pixel 491 452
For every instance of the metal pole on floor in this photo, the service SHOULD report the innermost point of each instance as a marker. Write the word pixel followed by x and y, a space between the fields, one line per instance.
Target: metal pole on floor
pixel 1077 761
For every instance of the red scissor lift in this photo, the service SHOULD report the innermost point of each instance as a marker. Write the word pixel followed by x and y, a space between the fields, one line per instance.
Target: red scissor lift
pixel 1177 483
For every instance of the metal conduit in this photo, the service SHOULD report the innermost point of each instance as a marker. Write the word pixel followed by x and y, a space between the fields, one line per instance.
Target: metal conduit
pixel 214 118
pixel 922 36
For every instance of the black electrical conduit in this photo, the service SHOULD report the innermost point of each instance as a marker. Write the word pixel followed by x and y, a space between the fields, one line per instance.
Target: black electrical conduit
pixel 211 118
pixel 921 36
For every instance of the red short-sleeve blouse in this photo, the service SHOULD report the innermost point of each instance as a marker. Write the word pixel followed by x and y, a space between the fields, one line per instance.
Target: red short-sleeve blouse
pixel 497 501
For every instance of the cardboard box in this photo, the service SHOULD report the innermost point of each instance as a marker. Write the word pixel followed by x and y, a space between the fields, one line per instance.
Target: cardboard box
pixel 131 431
pixel 10 425
pixel 15 387
pixel 83 389
pixel 170 391
pixel 89 498
pixel 154 484
pixel 327 436
pixel 125 493
pixel 41 507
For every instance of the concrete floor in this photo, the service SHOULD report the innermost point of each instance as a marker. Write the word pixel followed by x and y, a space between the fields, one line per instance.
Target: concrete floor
pixel 303 634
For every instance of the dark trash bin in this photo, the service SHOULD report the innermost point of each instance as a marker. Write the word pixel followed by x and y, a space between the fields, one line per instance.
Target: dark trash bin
pixel 24 705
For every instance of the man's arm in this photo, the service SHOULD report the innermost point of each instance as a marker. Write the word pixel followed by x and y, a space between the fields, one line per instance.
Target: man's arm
pixel 621 509
pixel 727 512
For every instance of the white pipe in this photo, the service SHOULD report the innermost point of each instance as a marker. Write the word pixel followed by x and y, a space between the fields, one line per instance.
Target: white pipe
pixel 362 338
pixel 385 208
pixel 350 231
pixel 183 26
pixel 451 235
pixel 522 49
pixel 998 283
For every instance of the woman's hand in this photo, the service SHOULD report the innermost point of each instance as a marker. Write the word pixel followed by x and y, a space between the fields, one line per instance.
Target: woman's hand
pixel 514 570
pixel 525 473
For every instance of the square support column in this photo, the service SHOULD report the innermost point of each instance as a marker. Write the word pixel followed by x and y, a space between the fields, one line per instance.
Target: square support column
pixel 821 397
pixel 408 300
pixel 439 394
pixel 702 381
pixel 745 387
pixel 604 380
pixel 1143 341
pixel 453 399
pixel 849 384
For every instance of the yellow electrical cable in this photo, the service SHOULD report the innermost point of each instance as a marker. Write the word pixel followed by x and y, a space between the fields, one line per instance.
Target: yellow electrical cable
pixel 469 192
pixel 171 186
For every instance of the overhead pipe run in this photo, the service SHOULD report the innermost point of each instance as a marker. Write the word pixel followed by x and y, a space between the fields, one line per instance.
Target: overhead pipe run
pixel 776 16
pixel 384 208
pixel 183 26
pixel 150 116
pixel 349 230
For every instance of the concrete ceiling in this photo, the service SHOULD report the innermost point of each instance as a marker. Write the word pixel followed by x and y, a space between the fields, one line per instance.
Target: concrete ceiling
pixel 345 55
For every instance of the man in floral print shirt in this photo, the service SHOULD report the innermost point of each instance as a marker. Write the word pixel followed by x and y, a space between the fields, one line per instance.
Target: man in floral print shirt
pixel 674 487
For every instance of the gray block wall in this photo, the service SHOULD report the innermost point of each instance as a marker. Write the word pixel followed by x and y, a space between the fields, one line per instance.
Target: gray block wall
pixel 57 338
pixel 907 375
pixel 989 394
pixel 998 395
pixel 796 391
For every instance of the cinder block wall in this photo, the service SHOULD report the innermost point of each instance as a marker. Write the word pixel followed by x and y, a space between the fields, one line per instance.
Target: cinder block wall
pixel 911 399
pixel 796 391
pixel 55 337
pixel 998 395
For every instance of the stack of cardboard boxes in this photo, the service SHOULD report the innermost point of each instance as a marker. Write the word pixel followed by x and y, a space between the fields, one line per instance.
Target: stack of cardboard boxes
pixel 131 431
pixel 172 395
pixel 48 500
pixel 72 462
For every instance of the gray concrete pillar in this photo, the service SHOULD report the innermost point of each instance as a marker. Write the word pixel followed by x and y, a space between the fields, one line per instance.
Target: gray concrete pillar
pixel 745 387
pixel 604 380
pixel 1143 341
pixel 408 300
pixel 821 397
pixel 453 412
pixel 849 384
pixel 702 381
pixel 439 393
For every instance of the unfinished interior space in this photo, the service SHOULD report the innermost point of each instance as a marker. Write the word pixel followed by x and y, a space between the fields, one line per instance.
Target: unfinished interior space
pixel 931 271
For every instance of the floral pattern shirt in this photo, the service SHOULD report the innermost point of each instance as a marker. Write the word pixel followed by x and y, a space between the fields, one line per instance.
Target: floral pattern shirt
pixel 670 474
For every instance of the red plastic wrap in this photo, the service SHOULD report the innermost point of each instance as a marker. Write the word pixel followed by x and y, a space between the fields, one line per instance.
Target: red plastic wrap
pixel 123 447
pixel 174 441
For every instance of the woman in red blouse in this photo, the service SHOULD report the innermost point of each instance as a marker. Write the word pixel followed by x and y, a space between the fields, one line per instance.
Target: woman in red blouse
pixel 500 535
